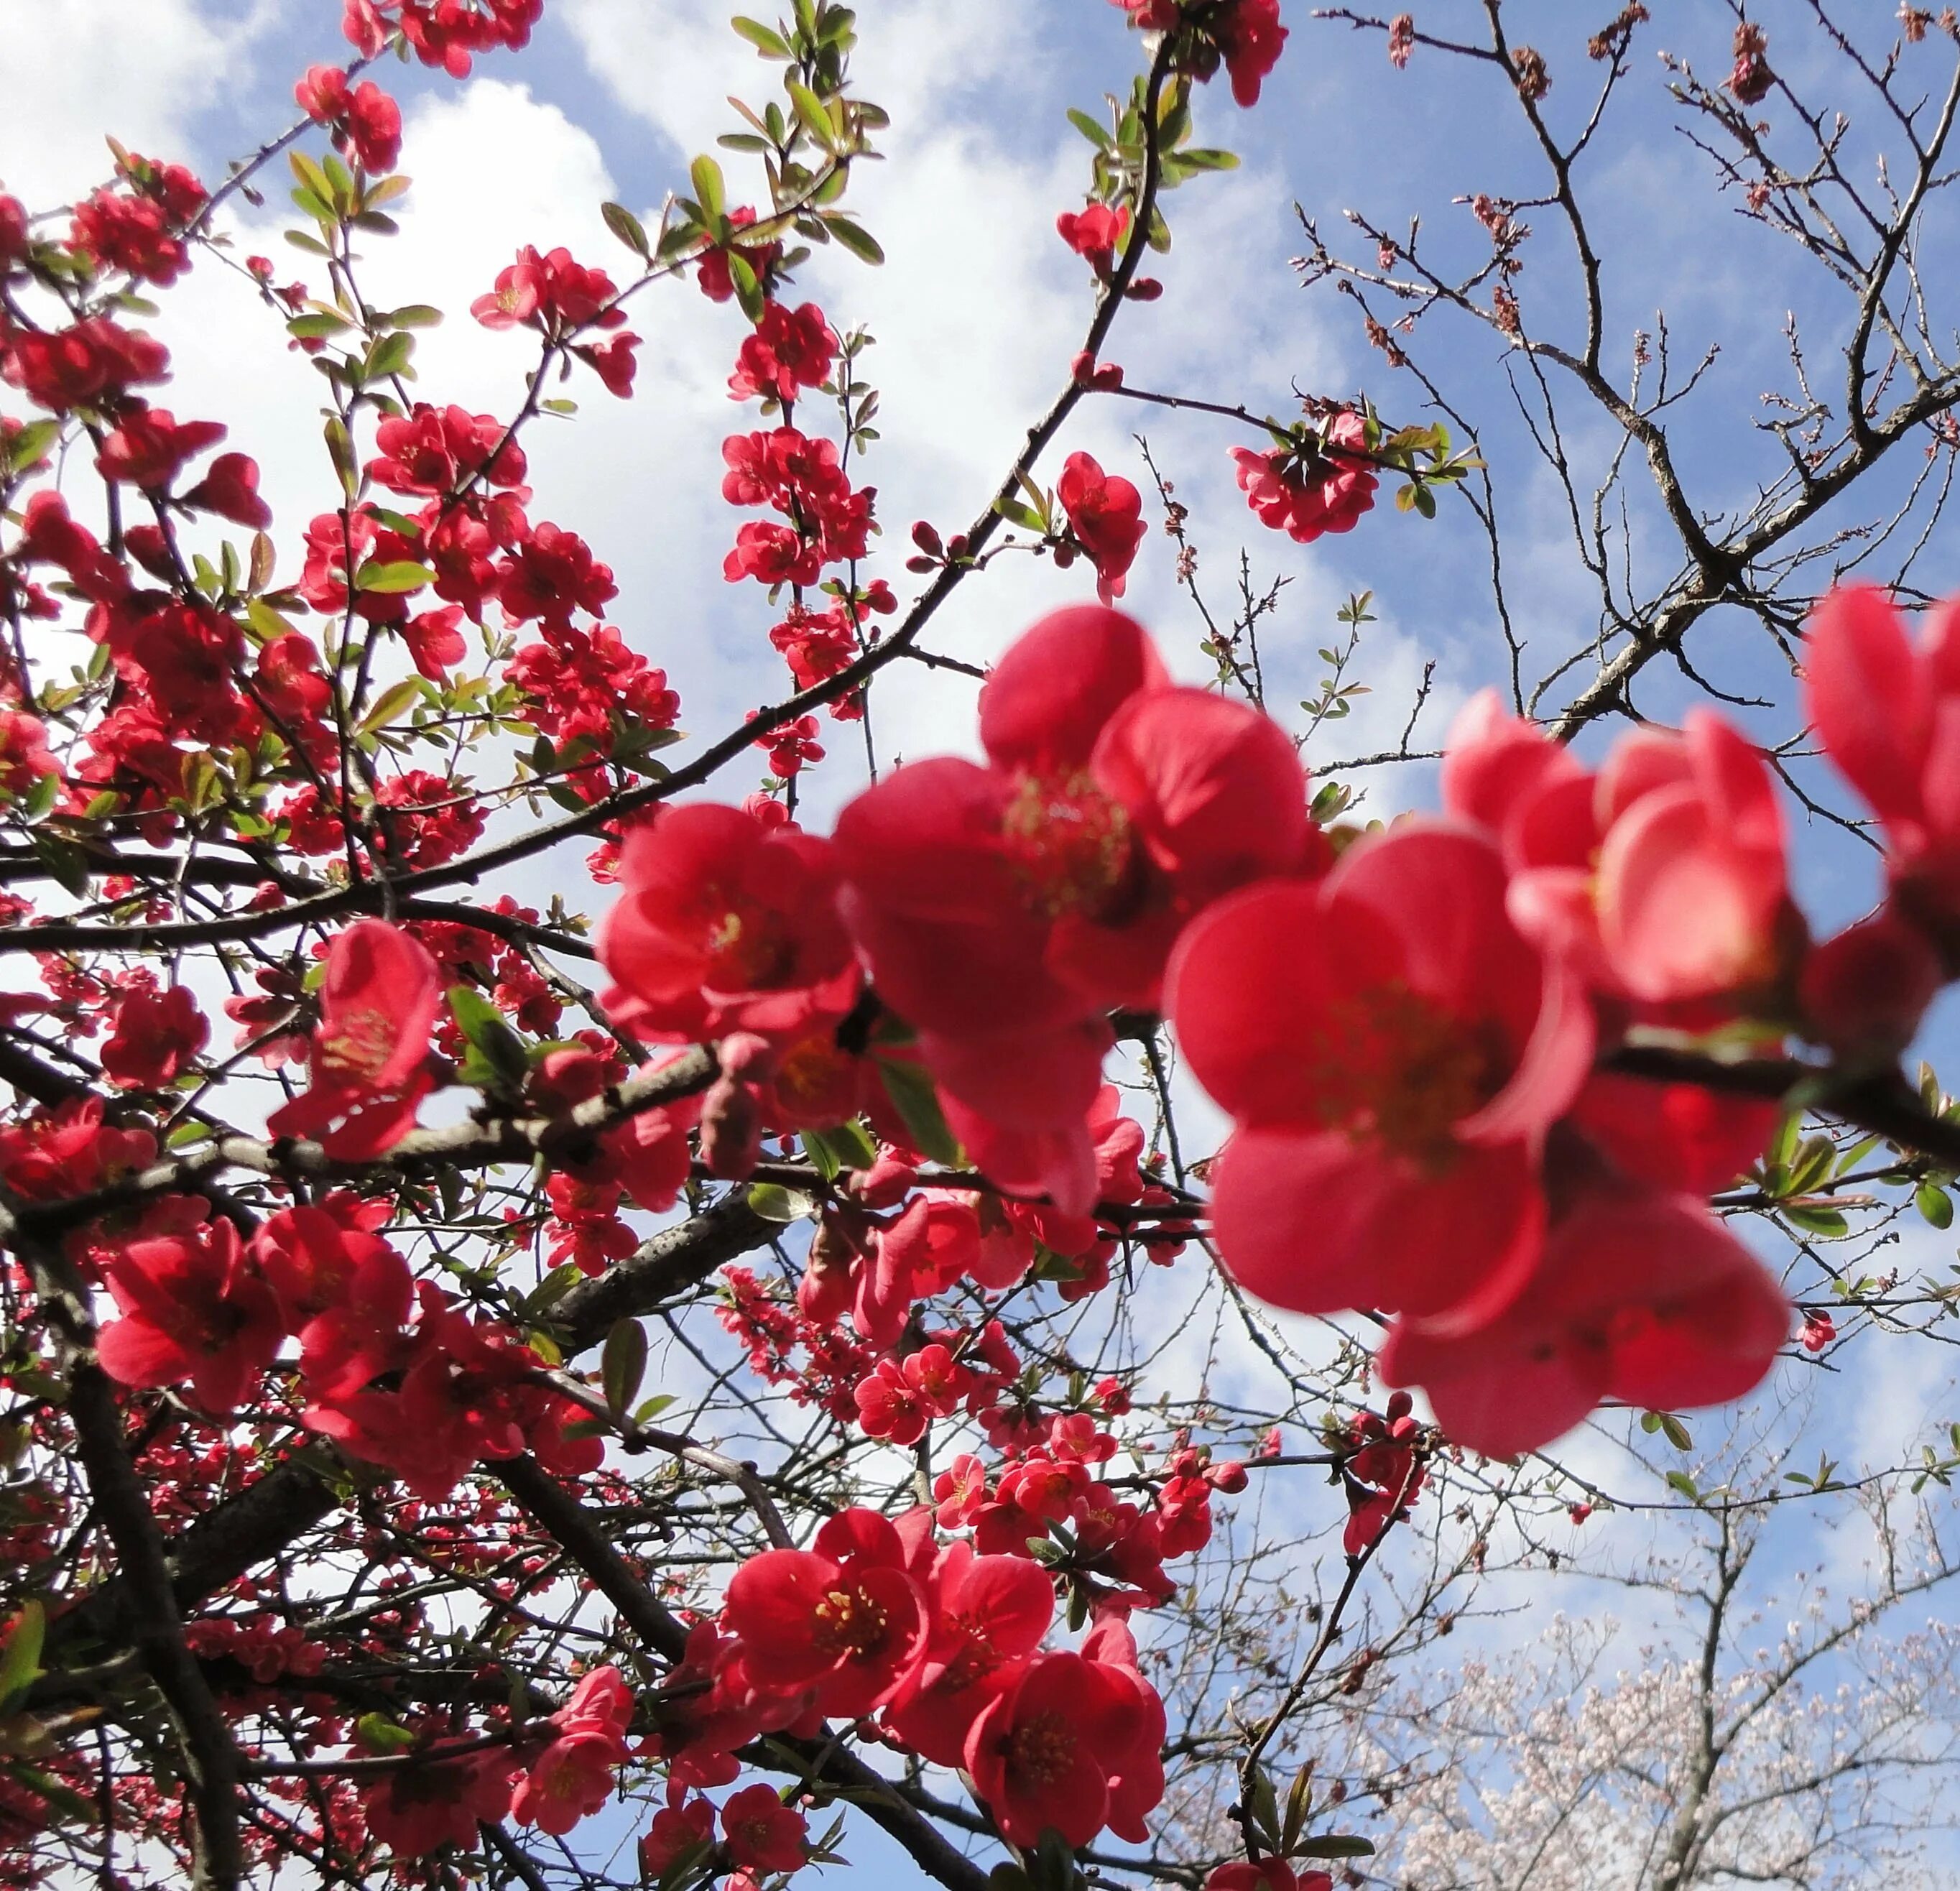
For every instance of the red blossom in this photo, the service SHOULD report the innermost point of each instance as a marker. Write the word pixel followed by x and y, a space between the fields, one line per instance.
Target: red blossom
pixel 845 1617
pixel 790 349
pixel 76 367
pixel 549 292
pixel 230 488
pixel 149 448
pixel 1106 514
pixel 193 1309
pixel 436 450
pixel 1641 1296
pixel 1304 499
pixel 1045 1753
pixel 365 1068
pixel 725 923
pixel 156 1035
pixel 1003 908
pixel 1393 1053
pixel 1095 234
pixel 762 1833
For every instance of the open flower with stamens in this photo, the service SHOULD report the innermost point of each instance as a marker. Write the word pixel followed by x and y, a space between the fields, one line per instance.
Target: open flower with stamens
pixel 989 1615
pixel 1043 1754
pixel 845 1617
pixel 1392 1052
pixel 1003 907
pixel 725 923
pixel 366 1066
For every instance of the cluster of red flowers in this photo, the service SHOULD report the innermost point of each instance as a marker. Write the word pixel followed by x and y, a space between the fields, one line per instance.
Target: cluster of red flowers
pixel 1245 34
pixel 564 301
pixel 944 1644
pixel 1004 908
pixel 443 32
pixel 1307 494
pixel 1409 1039
pixel 366 122
pixel 549 1779
pixel 1419 1126
pixel 829 523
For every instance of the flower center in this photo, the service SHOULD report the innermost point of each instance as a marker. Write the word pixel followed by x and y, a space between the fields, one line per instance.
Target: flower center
pixel 746 952
pixel 1068 844
pixel 1393 1063
pixel 360 1045
pixel 977 1658
pixel 849 1622
pixel 1044 1748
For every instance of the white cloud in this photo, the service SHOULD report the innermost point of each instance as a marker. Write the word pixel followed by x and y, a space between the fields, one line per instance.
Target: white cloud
pixel 95 71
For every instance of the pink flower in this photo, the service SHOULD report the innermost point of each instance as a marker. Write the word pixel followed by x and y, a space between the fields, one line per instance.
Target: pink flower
pixel 1641 1296
pixel 366 1069
pixel 150 446
pixel 989 1615
pixel 156 1036
pixel 1392 1053
pixel 1002 909
pixel 1106 514
pixel 762 1833
pixel 1661 878
pixel 1095 234
pixel 725 923
pixel 1304 498
pixel 193 1309
pixel 1888 711
pixel 845 1617
pixel 1693 891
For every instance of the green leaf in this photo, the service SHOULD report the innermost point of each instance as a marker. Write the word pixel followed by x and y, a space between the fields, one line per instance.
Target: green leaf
pixel 389 355
pixel 63 859
pixel 318 327
pixel 390 1736
pixel 912 1094
pixel 1335 1844
pixel 846 1147
pixel 626 227
pixel 484 1026
pixel 30 443
pixel 1935 1204
pixel 774 1203
pixel 747 285
pixel 21 1663
pixel 809 109
pixel 1097 134
pixel 622 1364
pixel 402 575
pixel 391 702
pixel 1816 1221
pixel 859 241
pixel 1203 158
pixel 1810 1164
pixel 39 799
pixel 766 40
pixel 710 192
pixel 416 315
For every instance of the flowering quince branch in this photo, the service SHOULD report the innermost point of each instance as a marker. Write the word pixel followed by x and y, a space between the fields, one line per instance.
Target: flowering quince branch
pixel 389 1499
